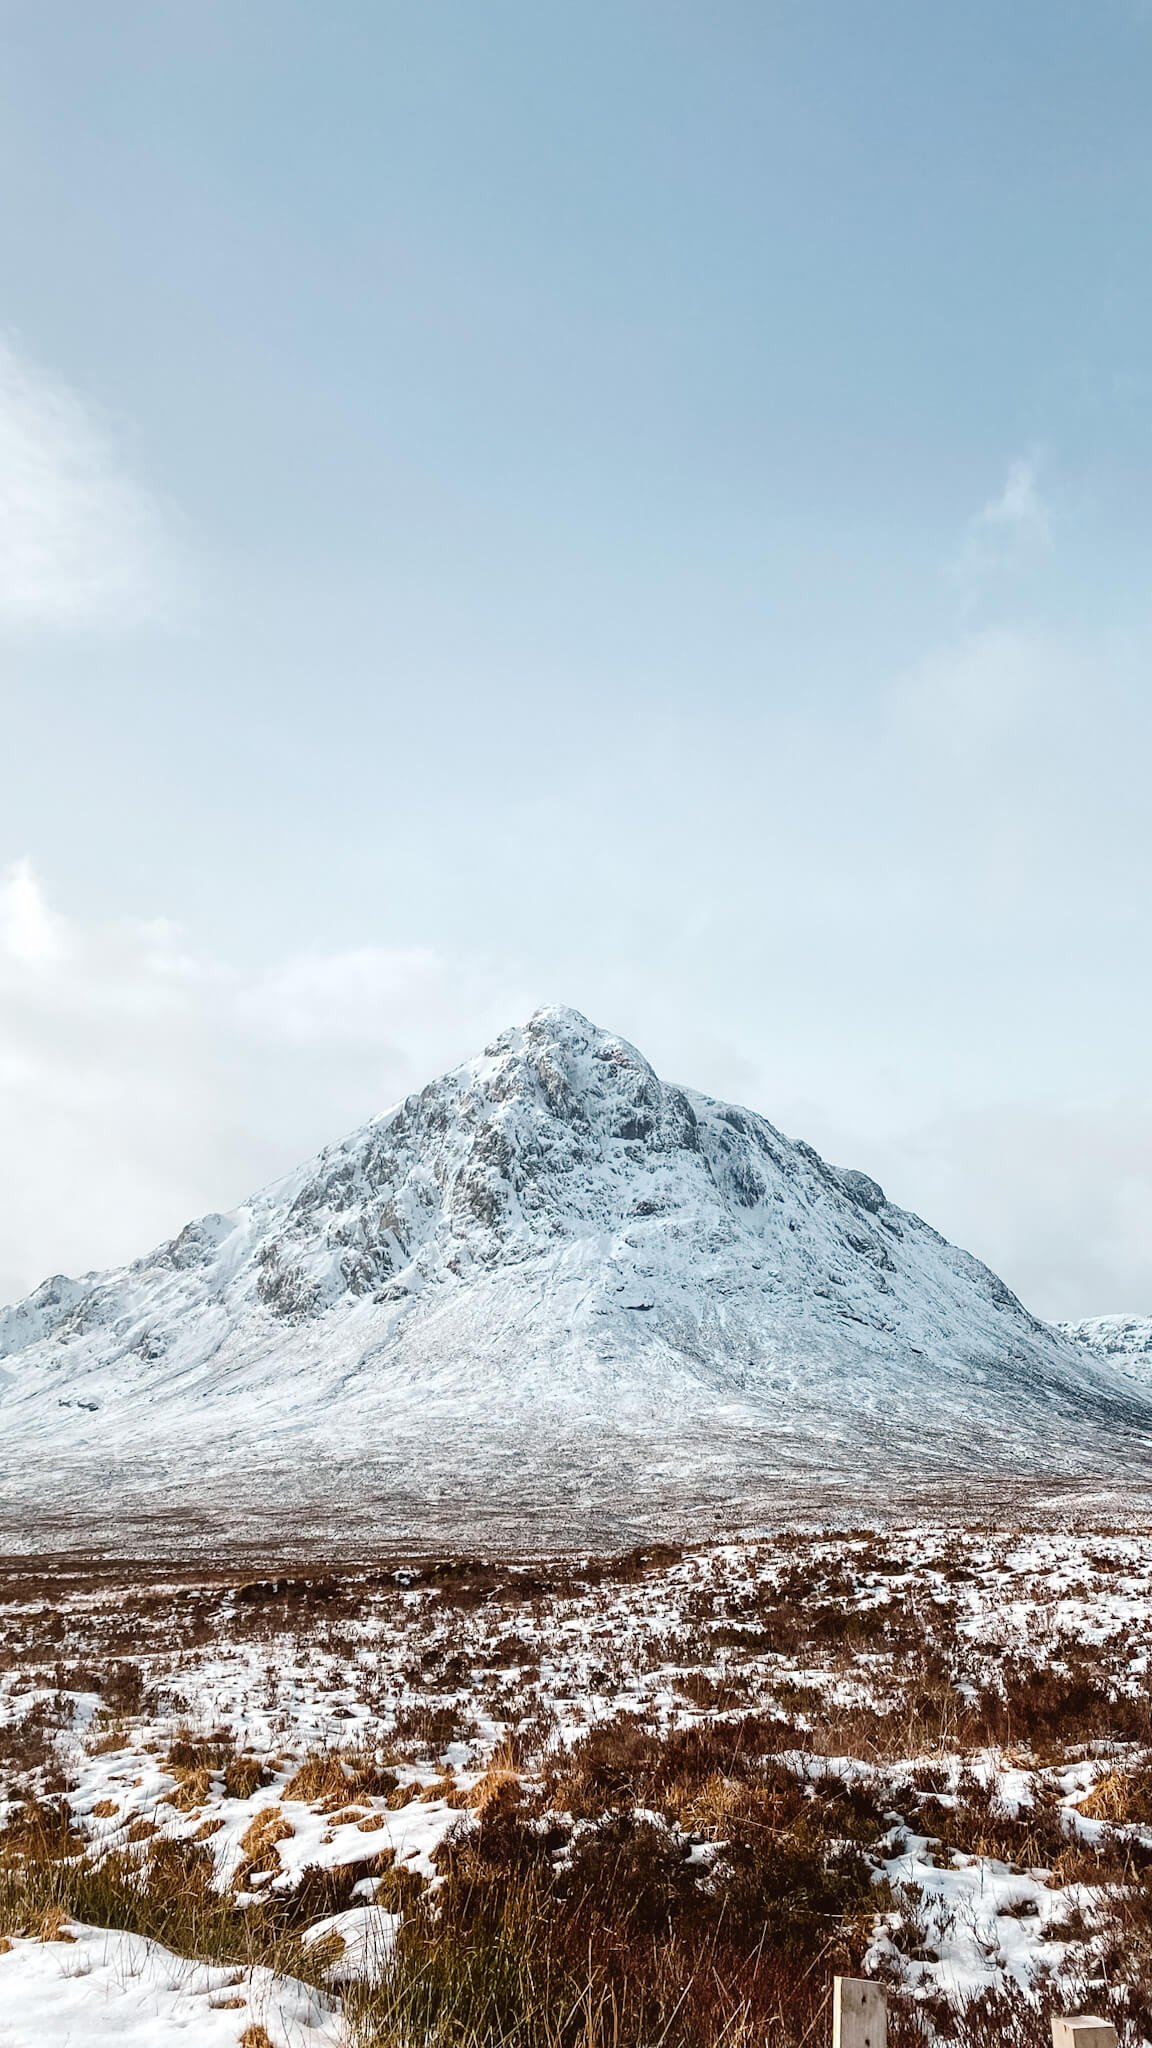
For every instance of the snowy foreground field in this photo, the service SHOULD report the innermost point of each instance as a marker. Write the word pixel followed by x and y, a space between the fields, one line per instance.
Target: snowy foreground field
pixel 656 1798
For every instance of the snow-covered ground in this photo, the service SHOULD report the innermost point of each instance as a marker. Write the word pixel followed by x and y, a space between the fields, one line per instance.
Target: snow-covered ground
pixel 345 1724
pixel 94 1987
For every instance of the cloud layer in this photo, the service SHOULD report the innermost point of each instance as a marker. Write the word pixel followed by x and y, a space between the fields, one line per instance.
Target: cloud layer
pixel 142 1081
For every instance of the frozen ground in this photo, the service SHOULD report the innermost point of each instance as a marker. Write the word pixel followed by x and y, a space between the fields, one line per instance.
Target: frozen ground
pixel 93 1987
pixel 315 1738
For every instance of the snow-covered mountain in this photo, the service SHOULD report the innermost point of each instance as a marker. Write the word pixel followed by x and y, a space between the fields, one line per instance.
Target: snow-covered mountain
pixel 551 1263
pixel 1123 1342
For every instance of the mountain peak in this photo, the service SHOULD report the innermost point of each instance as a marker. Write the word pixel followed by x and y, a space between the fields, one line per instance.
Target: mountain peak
pixel 550 1245
pixel 560 1028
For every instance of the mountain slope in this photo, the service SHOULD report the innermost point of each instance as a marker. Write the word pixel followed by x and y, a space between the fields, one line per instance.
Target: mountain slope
pixel 551 1261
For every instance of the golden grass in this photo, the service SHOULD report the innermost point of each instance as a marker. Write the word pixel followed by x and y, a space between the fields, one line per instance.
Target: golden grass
pixel 193 1786
pixel 267 1828
pixel 54 1925
pixel 244 1775
pixel 323 1776
pixel 500 1782
pixel 1120 1796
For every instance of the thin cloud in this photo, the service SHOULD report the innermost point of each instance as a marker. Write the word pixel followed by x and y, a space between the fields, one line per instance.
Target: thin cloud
pixel 1010 532
pixel 1021 507
pixel 29 933
pixel 82 544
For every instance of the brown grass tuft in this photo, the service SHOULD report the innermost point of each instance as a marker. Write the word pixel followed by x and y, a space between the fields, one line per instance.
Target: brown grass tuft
pixel 1120 1796
pixel 244 1775
pixel 260 1838
pixel 54 1925
pixel 193 1787
pixel 338 1776
pixel 499 1784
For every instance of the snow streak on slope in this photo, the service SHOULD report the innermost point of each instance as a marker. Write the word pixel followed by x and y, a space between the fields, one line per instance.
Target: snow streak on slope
pixel 551 1261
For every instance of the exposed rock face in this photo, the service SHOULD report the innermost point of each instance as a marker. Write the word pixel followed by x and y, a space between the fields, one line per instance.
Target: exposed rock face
pixel 546 1254
pixel 1124 1342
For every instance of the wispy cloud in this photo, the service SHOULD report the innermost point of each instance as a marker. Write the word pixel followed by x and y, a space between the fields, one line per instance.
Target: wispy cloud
pixel 1009 533
pixel 82 544
pixel 1020 507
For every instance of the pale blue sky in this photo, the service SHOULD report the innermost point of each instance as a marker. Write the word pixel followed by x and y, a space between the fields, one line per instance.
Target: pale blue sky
pixel 645 506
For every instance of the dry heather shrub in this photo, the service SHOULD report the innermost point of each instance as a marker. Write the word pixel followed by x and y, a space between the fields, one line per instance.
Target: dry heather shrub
pixel 427 1730
pixel 622 1939
pixel 256 2036
pixel 1048 1709
pixel 627 1762
pixel 105 1808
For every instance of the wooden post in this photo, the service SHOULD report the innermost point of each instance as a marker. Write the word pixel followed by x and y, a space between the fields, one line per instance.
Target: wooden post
pixel 1083 2032
pixel 860 2016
